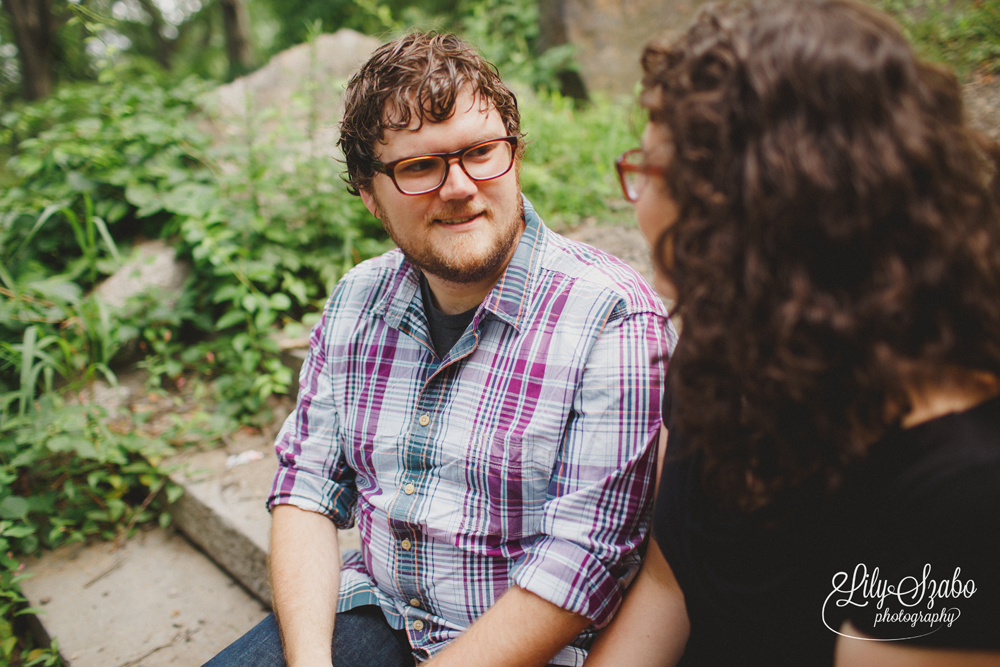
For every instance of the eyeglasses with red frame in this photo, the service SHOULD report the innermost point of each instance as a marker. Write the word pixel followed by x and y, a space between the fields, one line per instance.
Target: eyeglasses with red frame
pixel 633 173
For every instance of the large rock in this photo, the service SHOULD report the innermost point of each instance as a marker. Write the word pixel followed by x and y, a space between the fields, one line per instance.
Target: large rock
pixel 302 87
pixel 609 35
pixel 152 266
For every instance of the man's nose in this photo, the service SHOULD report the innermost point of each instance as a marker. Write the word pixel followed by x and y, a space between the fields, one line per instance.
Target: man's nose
pixel 457 184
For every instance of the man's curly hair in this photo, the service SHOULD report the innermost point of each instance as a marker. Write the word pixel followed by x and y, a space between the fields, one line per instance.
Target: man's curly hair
pixel 838 223
pixel 419 74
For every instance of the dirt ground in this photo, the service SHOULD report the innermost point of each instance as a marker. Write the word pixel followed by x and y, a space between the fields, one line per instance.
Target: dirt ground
pixel 982 103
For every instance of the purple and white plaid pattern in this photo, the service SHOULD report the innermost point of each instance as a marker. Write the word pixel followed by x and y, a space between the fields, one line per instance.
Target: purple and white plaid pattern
pixel 524 457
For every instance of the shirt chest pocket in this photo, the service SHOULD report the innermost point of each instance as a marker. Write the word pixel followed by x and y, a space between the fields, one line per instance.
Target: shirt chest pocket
pixel 507 480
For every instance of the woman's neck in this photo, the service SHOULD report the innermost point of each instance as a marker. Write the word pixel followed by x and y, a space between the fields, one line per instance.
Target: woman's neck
pixel 955 390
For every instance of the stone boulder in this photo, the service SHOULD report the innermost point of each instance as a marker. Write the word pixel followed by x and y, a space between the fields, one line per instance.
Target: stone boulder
pixel 609 35
pixel 151 267
pixel 300 87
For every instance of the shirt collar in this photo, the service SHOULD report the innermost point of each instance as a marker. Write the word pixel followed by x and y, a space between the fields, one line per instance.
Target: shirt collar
pixel 508 298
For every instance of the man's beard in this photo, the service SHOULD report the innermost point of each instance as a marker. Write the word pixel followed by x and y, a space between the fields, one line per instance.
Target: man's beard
pixel 429 260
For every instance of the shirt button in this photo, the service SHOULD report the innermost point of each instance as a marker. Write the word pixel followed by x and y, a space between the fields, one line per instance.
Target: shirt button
pixel 409 489
pixel 418 625
pixel 406 544
pixel 414 602
pixel 425 420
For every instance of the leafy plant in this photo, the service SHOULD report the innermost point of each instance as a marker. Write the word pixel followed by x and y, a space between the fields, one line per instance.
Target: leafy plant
pixel 964 34
pixel 568 171
pixel 68 472
pixel 507 32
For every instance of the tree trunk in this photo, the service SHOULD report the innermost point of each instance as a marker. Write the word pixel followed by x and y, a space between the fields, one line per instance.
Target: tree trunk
pixel 164 47
pixel 552 32
pixel 237 25
pixel 34 33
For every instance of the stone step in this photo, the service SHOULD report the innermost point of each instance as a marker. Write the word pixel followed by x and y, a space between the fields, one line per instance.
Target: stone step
pixel 223 506
pixel 152 602
pixel 159 600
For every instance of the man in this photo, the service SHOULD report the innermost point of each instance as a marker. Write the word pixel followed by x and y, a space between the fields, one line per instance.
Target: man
pixel 483 402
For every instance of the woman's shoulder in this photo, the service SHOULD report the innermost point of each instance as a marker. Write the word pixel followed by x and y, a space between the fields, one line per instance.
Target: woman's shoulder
pixel 924 520
pixel 956 453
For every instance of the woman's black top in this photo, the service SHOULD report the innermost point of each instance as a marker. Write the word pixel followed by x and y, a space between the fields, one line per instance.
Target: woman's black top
pixel 921 516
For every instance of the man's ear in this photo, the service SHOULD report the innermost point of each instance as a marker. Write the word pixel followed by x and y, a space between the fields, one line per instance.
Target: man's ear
pixel 369 201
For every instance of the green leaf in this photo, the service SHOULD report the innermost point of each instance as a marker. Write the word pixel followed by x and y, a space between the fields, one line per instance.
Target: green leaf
pixel 29 544
pixel 13 507
pixel 240 342
pixel 249 303
pixel 19 532
pixel 192 199
pixel 280 301
pixel 78 182
pixel 63 443
pixel 174 492
pixel 145 198
pixel 230 318
pixel 228 293
pixel 29 610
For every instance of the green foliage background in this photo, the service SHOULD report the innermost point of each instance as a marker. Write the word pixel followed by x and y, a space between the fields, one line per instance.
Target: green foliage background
pixel 266 225
pixel 120 154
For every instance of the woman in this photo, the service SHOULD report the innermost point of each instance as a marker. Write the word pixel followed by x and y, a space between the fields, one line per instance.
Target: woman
pixel 829 228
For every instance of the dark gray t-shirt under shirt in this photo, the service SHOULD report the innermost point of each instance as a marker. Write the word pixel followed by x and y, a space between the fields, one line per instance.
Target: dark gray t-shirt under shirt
pixel 445 329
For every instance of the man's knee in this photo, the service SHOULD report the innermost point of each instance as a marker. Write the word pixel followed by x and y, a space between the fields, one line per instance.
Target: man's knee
pixel 363 638
pixel 261 647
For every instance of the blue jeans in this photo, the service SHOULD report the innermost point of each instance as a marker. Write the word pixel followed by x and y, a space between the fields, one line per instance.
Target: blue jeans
pixel 361 638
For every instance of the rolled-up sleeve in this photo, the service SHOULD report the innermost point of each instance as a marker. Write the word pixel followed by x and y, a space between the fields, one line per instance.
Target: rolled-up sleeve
pixel 312 471
pixel 600 493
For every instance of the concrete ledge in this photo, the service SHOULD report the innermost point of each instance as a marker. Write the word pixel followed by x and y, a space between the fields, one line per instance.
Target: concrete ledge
pixel 154 602
pixel 222 509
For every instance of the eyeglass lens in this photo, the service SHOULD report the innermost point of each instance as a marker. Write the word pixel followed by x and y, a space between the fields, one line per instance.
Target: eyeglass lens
pixel 633 176
pixel 635 181
pixel 481 163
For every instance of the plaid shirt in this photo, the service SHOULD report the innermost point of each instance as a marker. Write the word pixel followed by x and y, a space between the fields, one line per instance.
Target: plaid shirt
pixel 524 457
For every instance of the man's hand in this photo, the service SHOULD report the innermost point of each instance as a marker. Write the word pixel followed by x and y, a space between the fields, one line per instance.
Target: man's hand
pixel 305 580
pixel 520 630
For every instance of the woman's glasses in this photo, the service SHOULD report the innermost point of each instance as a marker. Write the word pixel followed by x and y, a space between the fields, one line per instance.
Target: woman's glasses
pixel 633 173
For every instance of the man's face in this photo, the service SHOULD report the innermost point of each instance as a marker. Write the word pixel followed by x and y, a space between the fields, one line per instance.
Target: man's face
pixel 465 232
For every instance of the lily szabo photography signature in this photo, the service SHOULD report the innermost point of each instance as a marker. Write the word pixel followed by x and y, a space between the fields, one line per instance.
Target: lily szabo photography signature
pixel 916 597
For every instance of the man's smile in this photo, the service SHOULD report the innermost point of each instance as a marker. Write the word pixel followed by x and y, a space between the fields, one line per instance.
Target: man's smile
pixel 454 221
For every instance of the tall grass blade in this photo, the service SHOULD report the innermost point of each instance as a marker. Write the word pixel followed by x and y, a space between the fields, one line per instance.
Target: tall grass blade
pixel 74 222
pixel 102 227
pixel 49 211
pixel 8 280
pixel 27 389
pixel 88 219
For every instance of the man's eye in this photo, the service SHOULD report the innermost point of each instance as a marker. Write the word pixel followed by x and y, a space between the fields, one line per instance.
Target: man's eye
pixel 481 152
pixel 414 167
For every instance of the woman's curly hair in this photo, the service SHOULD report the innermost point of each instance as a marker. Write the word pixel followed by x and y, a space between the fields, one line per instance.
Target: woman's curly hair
pixel 838 223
